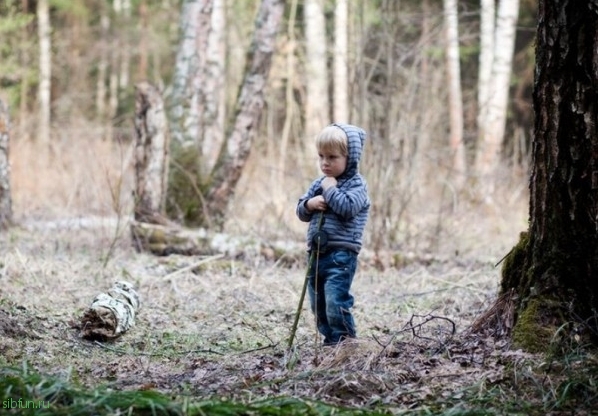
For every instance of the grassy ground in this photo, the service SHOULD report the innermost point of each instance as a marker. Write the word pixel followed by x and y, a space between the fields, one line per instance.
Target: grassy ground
pixel 220 332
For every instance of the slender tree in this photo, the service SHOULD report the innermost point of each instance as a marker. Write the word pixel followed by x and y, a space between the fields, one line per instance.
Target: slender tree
pixel 553 271
pixel 497 93
pixel 316 68
pixel 213 116
pixel 187 93
pixel 487 17
pixel 290 105
pixel 101 91
pixel 45 70
pixel 455 96
pixel 341 70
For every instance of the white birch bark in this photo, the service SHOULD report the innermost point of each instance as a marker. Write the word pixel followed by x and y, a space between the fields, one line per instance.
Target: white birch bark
pixel 340 65
pixel 487 18
pixel 111 313
pixel 45 70
pixel 455 96
pixel 184 115
pixel 488 155
pixel 214 87
pixel 316 105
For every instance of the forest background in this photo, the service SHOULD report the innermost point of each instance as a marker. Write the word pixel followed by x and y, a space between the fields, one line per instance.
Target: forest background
pixel 75 159
pixel 448 183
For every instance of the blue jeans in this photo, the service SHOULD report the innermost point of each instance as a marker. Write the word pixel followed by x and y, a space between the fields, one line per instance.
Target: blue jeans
pixel 330 299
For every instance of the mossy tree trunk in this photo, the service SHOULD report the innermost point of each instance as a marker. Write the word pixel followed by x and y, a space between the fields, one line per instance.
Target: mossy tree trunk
pixel 554 268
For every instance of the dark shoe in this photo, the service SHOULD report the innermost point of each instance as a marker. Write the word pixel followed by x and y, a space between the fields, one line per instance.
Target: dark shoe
pixel 330 343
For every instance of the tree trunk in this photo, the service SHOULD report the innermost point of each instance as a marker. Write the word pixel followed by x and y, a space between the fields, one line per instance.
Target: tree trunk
pixel 5 193
pixel 489 149
pixel 455 97
pixel 45 70
pixel 291 110
pixel 554 268
pixel 341 71
pixel 316 71
pixel 213 116
pixel 142 72
pixel 151 154
pixel 487 13
pixel 184 114
pixel 250 103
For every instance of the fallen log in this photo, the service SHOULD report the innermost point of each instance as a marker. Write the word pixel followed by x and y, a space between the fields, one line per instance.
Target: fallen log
pixel 111 313
pixel 164 240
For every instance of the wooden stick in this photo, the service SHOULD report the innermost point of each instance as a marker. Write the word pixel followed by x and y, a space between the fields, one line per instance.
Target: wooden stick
pixel 193 266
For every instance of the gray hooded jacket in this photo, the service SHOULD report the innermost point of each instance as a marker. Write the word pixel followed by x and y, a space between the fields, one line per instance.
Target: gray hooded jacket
pixel 348 202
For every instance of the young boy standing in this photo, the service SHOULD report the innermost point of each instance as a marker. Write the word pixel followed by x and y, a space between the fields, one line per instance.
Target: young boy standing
pixel 336 206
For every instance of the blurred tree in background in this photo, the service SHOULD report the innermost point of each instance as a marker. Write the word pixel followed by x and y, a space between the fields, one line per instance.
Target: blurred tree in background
pixel 381 64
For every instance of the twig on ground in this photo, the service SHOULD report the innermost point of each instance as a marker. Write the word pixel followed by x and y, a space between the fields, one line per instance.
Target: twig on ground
pixel 258 349
pixel 193 266
pixel 155 354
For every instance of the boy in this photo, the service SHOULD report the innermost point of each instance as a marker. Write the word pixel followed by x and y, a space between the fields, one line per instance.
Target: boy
pixel 341 198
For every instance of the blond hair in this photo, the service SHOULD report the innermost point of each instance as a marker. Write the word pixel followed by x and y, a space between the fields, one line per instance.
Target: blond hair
pixel 332 138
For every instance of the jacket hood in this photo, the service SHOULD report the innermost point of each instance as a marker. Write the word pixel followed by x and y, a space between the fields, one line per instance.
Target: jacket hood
pixel 355 142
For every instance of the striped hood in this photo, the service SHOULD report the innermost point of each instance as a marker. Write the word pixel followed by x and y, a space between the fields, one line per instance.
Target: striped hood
pixel 355 142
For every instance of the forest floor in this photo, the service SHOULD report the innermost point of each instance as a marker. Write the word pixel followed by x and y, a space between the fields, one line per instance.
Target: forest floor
pixel 221 329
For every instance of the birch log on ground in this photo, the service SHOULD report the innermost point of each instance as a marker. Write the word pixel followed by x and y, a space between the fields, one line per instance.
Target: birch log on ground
pixel 111 313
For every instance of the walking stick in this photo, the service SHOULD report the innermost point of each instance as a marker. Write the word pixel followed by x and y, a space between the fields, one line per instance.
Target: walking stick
pixel 312 256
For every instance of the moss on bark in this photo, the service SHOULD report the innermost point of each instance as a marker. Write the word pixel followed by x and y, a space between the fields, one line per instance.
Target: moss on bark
pixel 186 187
pixel 537 324
pixel 514 272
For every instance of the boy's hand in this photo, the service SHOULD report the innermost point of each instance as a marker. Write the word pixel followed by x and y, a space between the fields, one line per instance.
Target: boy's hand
pixel 317 203
pixel 328 182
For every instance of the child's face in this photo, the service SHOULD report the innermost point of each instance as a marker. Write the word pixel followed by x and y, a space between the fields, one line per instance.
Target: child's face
pixel 332 162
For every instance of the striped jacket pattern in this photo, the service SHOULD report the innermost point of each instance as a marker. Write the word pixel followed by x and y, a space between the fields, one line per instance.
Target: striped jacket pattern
pixel 348 202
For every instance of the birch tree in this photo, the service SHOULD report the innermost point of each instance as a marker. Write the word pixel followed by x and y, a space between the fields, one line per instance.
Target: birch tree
pixel 340 64
pixel 494 111
pixel 213 116
pixel 250 103
pixel 184 115
pixel 487 20
pixel 45 70
pixel 316 71
pixel 455 96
